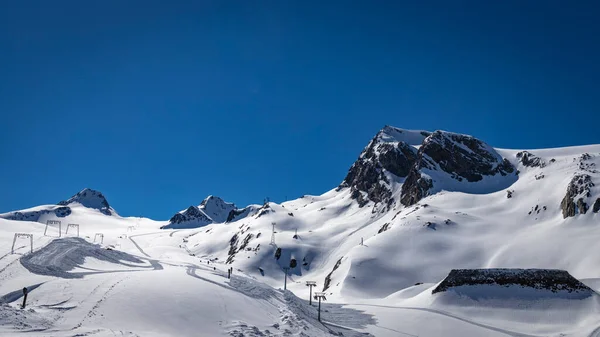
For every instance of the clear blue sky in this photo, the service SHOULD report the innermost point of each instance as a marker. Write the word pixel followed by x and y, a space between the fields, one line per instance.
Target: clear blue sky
pixel 160 103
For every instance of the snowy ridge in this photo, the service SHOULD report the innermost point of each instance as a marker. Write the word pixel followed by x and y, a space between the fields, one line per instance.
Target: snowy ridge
pixel 377 259
pixel 211 210
pixel 85 199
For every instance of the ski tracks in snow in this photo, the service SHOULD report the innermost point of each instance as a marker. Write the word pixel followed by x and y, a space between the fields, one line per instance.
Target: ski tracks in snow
pixel 465 320
pixel 103 297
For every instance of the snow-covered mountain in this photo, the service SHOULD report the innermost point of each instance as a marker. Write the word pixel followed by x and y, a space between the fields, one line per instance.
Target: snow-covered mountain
pixel 424 203
pixel 91 199
pixel 86 198
pixel 211 210
pixel 397 247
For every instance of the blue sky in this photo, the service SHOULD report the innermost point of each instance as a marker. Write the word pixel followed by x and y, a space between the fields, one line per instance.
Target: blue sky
pixel 158 104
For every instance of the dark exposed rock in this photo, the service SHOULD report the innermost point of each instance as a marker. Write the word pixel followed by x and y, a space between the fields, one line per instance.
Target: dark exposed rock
pixel 233 248
pixel 211 210
pixel 265 209
pixel 596 207
pixel 234 213
pixel 246 241
pixel 278 253
pixel 509 193
pixel 460 156
pixel 384 228
pixel 546 279
pixel 415 188
pixel 293 263
pixel 240 213
pixel 192 213
pixel 392 154
pixel 474 162
pixel 367 177
pixel 528 159
pixel 580 186
pixel 327 282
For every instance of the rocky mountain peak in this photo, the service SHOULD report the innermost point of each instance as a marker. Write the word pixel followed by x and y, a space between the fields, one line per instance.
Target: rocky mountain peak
pixel 211 210
pixel 387 159
pixel 391 159
pixel 90 198
pixel 191 217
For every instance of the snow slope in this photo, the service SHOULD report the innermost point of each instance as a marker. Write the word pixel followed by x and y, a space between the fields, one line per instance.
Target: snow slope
pixel 377 260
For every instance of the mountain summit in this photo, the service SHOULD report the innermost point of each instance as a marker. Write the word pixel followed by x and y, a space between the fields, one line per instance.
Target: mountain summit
pixel 91 199
pixel 211 210
pixel 408 165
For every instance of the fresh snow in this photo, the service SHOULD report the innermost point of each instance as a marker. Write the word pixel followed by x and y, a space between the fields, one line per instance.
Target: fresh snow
pixel 172 282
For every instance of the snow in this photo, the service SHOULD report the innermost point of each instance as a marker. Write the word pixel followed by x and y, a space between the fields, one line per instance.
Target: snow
pixel 390 134
pixel 173 282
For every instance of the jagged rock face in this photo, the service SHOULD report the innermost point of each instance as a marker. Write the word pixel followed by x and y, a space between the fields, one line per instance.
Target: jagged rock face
pixel 461 157
pixel 392 154
pixel 191 215
pixel 211 210
pixel 528 159
pixel 385 153
pixel 91 199
pixel 596 207
pixel 415 188
pixel 578 189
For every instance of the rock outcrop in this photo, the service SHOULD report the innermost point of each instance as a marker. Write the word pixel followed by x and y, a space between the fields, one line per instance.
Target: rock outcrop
pixel 60 212
pixel 461 158
pixel 596 207
pixel 528 159
pixel 577 192
pixel 415 188
pixel 211 210
pixel 390 152
pixel 190 218
pixel 391 158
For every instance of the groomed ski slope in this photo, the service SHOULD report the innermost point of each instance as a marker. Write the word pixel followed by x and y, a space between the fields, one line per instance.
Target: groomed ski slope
pixel 152 287
pixel 149 287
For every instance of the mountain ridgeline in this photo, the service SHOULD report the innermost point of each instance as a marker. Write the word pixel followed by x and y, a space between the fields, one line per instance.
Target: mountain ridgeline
pixel 425 163
pixel 433 201
pixel 398 167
